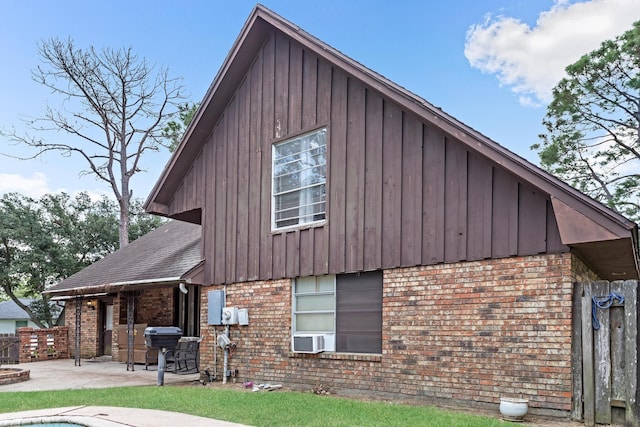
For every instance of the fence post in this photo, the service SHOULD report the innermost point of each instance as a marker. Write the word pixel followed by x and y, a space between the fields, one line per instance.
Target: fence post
pixel 631 350
pixel 588 379
pixel 576 352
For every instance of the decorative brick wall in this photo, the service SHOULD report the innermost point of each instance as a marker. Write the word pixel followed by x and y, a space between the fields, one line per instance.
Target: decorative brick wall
pixel 43 344
pixel 456 334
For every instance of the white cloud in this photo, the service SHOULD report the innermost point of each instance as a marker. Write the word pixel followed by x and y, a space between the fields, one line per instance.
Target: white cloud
pixel 34 186
pixel 37 186
pixel 531 60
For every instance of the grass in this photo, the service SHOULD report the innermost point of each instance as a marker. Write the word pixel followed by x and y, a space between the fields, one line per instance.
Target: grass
pixel 281 408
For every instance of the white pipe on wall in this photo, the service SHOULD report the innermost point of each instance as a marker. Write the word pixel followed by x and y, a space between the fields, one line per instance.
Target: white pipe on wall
pixel 226 357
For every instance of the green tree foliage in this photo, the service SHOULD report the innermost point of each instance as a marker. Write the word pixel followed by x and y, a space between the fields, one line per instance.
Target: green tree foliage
pixel 46 240
pixel 174 130
pixel 593 125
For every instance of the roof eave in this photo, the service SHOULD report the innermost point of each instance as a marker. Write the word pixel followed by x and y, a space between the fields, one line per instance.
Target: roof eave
pixel 118 287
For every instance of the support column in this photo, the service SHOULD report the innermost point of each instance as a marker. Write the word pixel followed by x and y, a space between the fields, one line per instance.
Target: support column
pixel 130 328
pixel 78 329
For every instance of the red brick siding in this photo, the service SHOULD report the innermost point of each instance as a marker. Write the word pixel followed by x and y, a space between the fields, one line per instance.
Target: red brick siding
pixel 466 332
pixel 581 272
pixel 477 331
pixel 152 306
pixel 266 342
pixel 89 344
pixel 118 303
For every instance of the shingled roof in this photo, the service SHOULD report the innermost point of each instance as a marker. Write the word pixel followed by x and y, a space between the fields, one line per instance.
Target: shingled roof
pixel 163 257
pixel 9 310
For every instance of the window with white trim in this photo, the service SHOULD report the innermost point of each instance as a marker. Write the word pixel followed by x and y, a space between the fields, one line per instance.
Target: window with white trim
pixel 21 324
pixel 314 305
pixel 345 308
pixel 299 180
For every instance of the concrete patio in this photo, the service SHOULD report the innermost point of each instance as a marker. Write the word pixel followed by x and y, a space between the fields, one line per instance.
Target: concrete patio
pixel 99 373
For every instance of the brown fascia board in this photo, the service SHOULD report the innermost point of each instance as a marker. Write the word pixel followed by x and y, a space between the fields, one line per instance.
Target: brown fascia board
pixel 240 56
pixel 195 276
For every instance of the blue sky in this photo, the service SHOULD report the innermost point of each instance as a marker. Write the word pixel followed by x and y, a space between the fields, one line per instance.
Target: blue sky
pixel 489 63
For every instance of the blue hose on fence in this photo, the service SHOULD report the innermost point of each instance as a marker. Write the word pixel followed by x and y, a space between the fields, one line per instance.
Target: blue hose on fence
pixel 603 303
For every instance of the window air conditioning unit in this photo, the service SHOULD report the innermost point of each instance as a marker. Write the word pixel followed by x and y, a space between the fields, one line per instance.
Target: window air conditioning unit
pixel 312 343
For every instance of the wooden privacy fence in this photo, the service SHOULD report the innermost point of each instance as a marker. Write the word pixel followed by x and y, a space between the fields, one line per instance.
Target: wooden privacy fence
pixel 9 349
pixel 605 352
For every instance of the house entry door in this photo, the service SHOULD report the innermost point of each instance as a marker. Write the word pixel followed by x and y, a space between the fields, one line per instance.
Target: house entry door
pixel 108 328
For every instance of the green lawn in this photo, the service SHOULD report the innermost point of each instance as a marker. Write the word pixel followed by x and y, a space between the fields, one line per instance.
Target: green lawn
pixel 278 408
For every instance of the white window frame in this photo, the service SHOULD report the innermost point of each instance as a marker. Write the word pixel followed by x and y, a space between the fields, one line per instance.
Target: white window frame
pixel 304 199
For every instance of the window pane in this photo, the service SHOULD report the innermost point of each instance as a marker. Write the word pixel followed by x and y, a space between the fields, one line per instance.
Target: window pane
pixel 359 312
pixel 299 176
pixel 326 283
pixel 305 284
pixel 312 295
pixel 315 302
pixel 314 322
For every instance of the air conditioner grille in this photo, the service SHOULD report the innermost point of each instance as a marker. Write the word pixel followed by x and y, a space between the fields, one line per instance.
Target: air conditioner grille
pixel 308 343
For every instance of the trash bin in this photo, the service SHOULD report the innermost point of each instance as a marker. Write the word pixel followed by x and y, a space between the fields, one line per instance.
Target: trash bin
pixel 162 338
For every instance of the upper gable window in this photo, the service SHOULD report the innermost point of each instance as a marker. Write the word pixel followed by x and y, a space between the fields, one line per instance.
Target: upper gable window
pixel 299 180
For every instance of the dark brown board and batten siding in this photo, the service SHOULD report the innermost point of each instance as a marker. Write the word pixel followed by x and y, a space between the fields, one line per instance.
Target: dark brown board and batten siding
pixel 399 192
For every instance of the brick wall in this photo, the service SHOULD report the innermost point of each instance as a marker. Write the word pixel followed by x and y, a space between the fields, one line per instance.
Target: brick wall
pixel 153 307
pixel 43 344
pixel 263 347
pixel 89 344
pixel 478 331
pixel 581 272
pixel 464 334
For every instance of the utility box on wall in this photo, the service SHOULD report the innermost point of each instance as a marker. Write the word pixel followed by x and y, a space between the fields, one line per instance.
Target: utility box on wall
pixel 243 316
pixel 229 315
pixel 216 302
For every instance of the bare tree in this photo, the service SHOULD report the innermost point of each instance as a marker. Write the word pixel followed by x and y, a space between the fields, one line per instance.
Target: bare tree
pixel 115 106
